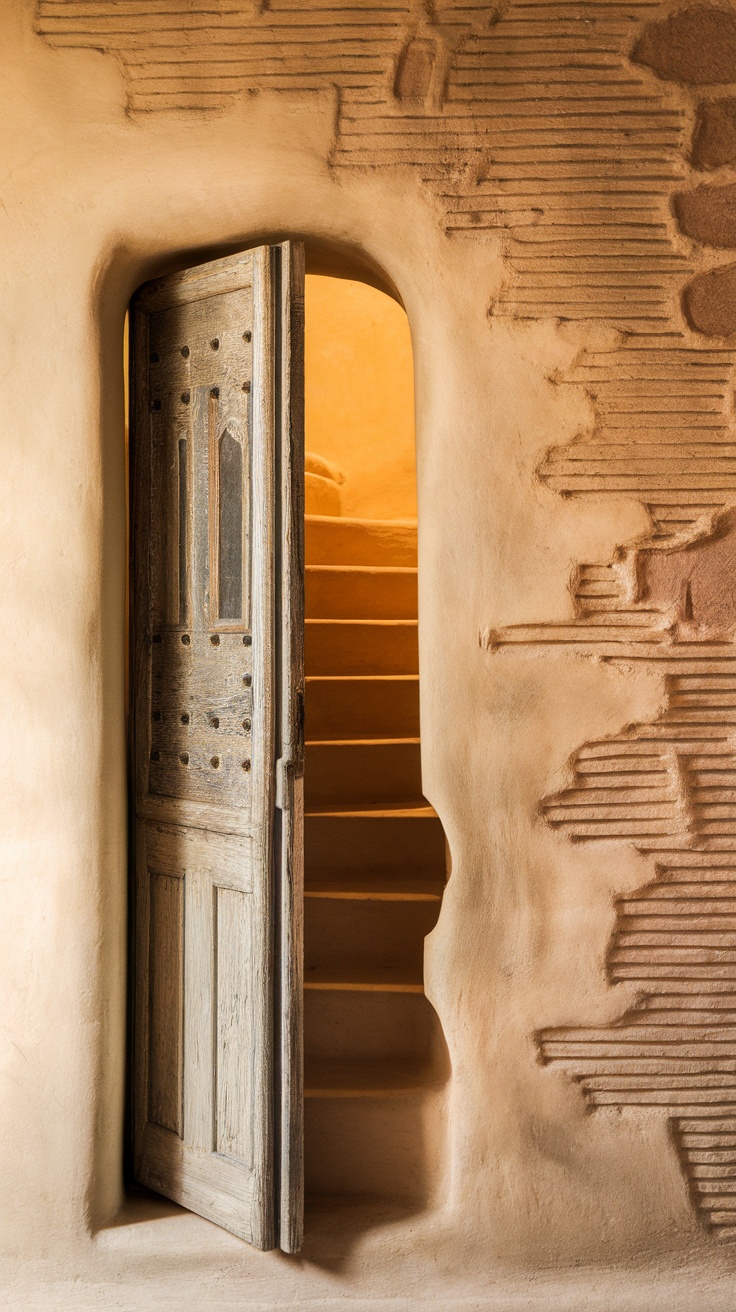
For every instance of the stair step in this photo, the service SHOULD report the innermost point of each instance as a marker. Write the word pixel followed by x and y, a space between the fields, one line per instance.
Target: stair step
pixel 367 1026
pixel 400 842
pixel 360 592
pixel 375 870
pixel 374 888
pixel 361 647
pixel 377 1079
pixel 386 1146
pixel 363 772
pixel 350 978
pixel 373 938
pixel 329 540
pixel 382 706
pixel 321 494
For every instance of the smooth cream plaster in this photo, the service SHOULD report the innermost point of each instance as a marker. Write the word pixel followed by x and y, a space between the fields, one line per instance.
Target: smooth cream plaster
pixel 543 1204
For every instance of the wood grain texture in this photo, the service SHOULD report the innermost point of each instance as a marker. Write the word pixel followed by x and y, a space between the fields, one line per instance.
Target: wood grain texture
pixel 207 696
pixel 291 746
pixel 165 1001
pixel 263 774
pixel 236 1072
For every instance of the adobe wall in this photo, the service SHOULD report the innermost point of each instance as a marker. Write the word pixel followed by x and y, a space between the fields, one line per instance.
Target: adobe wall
pixel 510 170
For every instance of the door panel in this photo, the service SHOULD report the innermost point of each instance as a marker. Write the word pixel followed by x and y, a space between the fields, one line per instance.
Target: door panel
pixel 216 681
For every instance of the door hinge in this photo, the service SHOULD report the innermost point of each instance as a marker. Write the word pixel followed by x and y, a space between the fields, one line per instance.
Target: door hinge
pixel 284 769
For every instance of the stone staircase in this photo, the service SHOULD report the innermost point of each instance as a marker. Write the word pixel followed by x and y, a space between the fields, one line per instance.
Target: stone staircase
pixel 374 872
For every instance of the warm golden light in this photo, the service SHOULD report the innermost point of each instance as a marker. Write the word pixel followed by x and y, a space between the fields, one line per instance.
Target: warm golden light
pixel 359 402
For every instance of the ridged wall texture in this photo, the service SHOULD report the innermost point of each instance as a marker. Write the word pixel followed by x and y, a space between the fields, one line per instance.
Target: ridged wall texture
pixel 585 134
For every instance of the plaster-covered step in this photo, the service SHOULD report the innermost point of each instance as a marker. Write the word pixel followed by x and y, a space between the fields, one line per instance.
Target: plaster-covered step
pixel 385 706
pixel 360 592
pixel 329 540
pixel 366 934
pixel 365 772
pixel 361 647
pixel 366 1026
pixel 352 977
pixel 407 843
pixel 381 1146
pixel 390 886
pixel 373 1079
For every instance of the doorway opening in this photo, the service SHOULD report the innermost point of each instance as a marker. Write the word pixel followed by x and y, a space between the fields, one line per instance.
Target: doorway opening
pixel 217 819
pixel 375 859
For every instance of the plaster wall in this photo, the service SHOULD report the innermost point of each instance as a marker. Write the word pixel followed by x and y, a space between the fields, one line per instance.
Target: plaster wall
pixel 547 1203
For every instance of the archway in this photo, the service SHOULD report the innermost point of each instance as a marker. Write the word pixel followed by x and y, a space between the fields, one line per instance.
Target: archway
pixel 374 850
pixel 375 853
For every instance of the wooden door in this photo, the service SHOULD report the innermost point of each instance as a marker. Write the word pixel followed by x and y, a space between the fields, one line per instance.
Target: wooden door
pixel 217 533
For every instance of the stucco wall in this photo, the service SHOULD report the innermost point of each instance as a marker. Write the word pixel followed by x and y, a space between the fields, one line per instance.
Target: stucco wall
pixel 451 169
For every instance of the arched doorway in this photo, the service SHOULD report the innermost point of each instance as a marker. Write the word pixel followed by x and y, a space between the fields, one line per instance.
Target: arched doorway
pixel 375 863
pixel 215 533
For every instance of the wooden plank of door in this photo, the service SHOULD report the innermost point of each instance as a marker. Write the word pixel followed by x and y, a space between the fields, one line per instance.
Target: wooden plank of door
pixel 290 789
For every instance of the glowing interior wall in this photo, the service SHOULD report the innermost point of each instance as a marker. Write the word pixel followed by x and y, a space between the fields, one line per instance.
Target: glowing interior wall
pixel 360 396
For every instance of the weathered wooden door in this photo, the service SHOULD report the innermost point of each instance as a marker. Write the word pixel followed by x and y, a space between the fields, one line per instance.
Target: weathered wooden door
pixel 217 449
